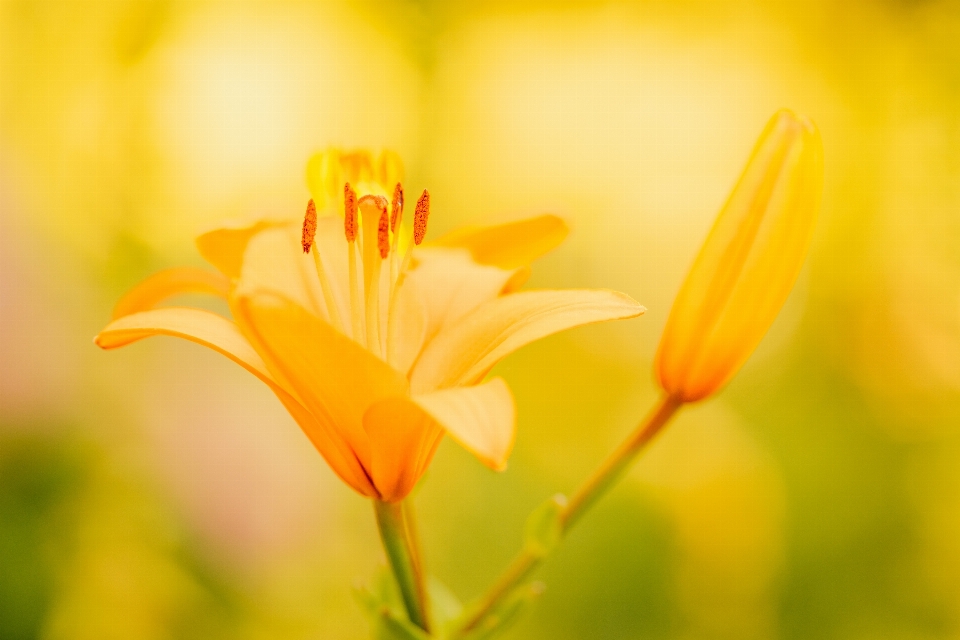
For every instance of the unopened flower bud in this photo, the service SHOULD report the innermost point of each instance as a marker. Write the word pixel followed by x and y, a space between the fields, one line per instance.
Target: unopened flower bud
pixel 748 264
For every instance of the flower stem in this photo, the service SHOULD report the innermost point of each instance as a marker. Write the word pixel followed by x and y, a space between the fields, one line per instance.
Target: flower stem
pixel 586 495
pixel 619 461
pixel 403 561
pixel 413 535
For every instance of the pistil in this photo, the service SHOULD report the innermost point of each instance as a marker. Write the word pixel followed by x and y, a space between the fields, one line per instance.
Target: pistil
pixel 420 216
pixel 376 247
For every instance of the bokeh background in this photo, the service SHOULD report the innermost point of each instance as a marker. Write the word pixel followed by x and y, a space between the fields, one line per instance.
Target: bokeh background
pixel 160 492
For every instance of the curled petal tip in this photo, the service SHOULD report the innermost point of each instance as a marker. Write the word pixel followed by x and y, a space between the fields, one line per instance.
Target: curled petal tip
pixel 635 308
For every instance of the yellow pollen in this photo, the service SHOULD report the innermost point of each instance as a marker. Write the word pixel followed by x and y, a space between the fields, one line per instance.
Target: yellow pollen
pixel 396 208
pixel 349 212
pixel 420 216
pixel 309 226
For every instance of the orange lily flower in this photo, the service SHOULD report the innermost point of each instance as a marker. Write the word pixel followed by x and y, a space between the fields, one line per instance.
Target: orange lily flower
pixel 748 263
pixel 376 344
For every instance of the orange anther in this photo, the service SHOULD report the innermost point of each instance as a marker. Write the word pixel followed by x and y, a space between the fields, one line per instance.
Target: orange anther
pixel 420 217
pixel 349 212
pixel 309 226
pixel 396 207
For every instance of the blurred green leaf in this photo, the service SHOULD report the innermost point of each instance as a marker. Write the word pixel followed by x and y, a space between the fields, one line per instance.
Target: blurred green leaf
pixel 383 605
pixel 388 626
pixel 382 594
pixel 444 605
pixel 502 617
pixel 544 528
pixel 37 479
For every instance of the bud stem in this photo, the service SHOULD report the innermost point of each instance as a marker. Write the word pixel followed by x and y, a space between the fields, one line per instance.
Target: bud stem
pixel 619 461
pixel 586 495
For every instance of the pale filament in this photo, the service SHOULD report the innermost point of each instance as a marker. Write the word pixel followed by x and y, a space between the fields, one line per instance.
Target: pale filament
pixel 328 299
pixel 309 246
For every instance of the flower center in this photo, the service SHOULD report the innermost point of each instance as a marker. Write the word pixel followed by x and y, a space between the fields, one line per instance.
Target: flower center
pixel 373 229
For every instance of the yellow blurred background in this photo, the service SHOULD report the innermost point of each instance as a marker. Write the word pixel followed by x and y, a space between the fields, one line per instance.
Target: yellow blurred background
pixel 161 492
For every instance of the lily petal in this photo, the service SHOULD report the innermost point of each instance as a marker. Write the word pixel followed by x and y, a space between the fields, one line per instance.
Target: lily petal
pixel 451 285
pixel 403 439
pixel 224 247
pixel 482 419
pixel 404 433
pixel 274 261
pixel 221 335
pixel 406 328
pixel 517 280
pixel 168 283
pixel 331 373
pixel 465 352
pixel 332 246
pixel 510 245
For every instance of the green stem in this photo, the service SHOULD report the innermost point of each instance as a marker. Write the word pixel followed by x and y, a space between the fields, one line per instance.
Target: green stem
pixel 413 535
pixel 619 461
pixel 586 495
pixel 403 561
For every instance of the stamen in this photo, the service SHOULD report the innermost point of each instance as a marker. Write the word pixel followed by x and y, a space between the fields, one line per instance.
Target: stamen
pixel 327 289
pixel 420 216
pixel 396 223
pixel 309 226
pixel 356 317
pixel 394 296
pixel 396 208
pixel 349 212
pixel 350 230
pixel 398 275
pixel 375 224
pixel 307 240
